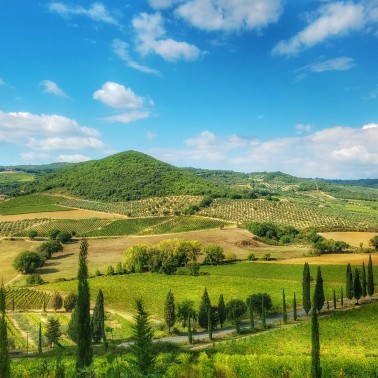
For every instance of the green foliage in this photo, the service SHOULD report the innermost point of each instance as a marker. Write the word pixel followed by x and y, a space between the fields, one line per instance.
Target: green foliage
pixel 98 319
pixel 256 301
pixel 214 254
pixel 47 248
pixel 295 314
pixel 142 348
pixel 204 308
pixel 28 262
pixel 316 371
pixel 135 259
pixel 319 298
pixel 363 281
pixel 222 311
pixel 53 233
pixel 53 331
pixel 64 237
pixel 169 311
pixel 270 231
pixel 70 301
pixel 330 246
pixel 84 350
pixel 34 279
pixel 374 242
pixel 349 282
pixel 57 301
pixel 72 330
pixel 4 344
pixel 357 288
pixel 32 234
pixel 370 278
pixel 236 308
pixel 284 311
pixel 306 288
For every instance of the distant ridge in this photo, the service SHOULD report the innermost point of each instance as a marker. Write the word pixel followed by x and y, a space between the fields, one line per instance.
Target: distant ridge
pixel 128 175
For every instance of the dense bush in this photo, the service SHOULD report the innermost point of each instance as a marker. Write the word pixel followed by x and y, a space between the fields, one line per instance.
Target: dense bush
pixel 214 254
pixel 48 248
pixel 270 231
pixel 34 279
pixel 27 262
pixel 329 246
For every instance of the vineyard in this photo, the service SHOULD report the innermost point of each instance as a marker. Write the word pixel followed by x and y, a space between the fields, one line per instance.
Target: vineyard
pixel 20 227
pixel 25 299
pixel 300 215
pixel 155 206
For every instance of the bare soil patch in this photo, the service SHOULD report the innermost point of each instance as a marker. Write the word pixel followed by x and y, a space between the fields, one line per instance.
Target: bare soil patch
pixel 73 214
pixel 352 238
pixel 336 259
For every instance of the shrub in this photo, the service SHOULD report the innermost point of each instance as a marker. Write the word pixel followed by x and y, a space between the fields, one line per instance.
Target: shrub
pixel 251 257
pixel 110 271
pixel 27 262
pixel 64 237
pixel 191 269
pixel 214 254
pixel 34 279
pixel 230 257
pixel 32 234
pixel 70 301
pixel 57 301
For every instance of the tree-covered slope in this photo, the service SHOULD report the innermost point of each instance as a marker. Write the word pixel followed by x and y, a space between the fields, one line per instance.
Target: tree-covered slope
pixel 124 176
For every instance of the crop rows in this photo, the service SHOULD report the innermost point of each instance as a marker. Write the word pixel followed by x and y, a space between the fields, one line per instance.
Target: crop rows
pixel 285 212
pixel 81 227
pixel 25 299
pixel 9 228
pixel 156 206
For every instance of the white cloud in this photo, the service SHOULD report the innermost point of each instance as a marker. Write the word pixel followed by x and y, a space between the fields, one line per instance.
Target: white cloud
pixel 53 88
pixel 338 152
pixel 118 96
pixel 46 132
pixel 129 117
pixel 67 143
pixel 33 156
pixel 76 158
pixel 230 15
pixel 96 12
pixel 151 135
pixel 163 4
pixel 303 128
pixel 120 48
pixel 333 19
pixel 151 40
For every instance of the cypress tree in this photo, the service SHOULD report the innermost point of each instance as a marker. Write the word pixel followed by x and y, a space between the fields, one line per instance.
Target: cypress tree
pixel 209 324
pixel 295 314
pixel 363 280
pixel 204 309
pixel 284 311
pixel 316 371
pixel 334 299
pixel 342 297
pixel 142 348
pixel 98 319
pixel 222 312
pixel 306 288
pixel 319 291
pixel 357 288
pixel 4 345
pixel 349 283
pixel 250 310
pixel 169 310
pixel 40 338
pixel 84 349
pixel 370 278
pixel 263 318
pixel 53 332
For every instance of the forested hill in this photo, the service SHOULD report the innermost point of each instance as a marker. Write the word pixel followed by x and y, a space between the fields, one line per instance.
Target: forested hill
pixel 124 176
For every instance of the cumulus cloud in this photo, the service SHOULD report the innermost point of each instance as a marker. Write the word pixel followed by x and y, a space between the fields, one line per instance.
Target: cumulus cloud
pixel 120 48
pixel 229 15
pixel 46 133
pixel 151 40
pixel 52 88
pixel 76 158
pixel 96 12
pixel 120 97
pixel 337 152
pixel 332 19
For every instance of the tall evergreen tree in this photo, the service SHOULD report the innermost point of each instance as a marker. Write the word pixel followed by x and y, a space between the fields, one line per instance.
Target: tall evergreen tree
pixel 210 323
pixel 142 348
pixel 203 310
pixel 84 349
pixel 284 310
pixel 263 315
pixel 295 313
pixel 186 314
pixel 222 311
pixel 370 278
pixel 4 345
pixel 40 338
pixel 319 291
pixel 342 297
pixel 349 283
pixel 363 280
pixel 53 332
pixel 334 299
pixel 170 310
pixel 316 371
pixel 357 288
pixel 98 319
pixel 250 310
pixel 306 288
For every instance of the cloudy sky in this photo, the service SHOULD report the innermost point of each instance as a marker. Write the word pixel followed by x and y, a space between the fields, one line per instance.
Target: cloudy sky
pixel 247 85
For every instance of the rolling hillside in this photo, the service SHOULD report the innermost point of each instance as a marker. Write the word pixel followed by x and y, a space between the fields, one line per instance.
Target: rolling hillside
pixel 124 176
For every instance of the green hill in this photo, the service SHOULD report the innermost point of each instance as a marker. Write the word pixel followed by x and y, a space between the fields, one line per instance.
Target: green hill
pixel 124 176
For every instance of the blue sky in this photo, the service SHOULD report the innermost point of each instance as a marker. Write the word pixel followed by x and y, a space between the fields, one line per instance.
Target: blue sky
pixel 247 85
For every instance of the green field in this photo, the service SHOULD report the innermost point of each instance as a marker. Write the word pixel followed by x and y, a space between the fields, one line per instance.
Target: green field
pixel 15 177
pixel 234 281
pixel 35 203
